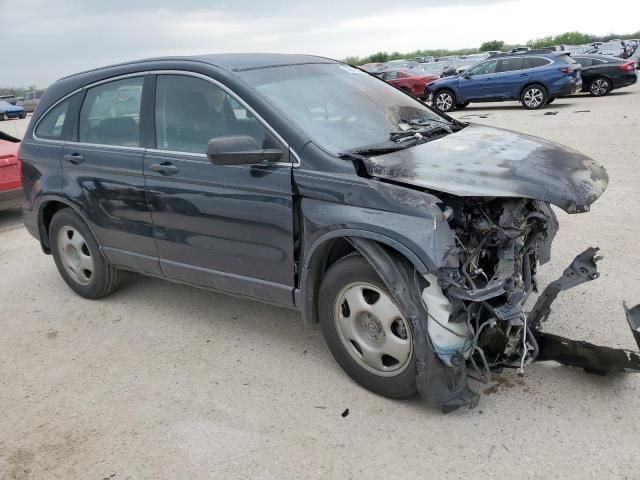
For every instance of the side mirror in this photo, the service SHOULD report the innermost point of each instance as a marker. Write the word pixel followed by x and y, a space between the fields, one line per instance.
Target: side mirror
pixel 240 150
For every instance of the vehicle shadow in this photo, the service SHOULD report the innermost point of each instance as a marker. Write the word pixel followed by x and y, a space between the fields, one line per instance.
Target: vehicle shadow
pixel 558 104
pixel 10 219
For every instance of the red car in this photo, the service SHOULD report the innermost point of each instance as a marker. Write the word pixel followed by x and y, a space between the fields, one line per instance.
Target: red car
pixel 409 82
pixel 10 186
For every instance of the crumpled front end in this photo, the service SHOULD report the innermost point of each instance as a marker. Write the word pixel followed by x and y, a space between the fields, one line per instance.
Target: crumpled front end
pixel 488 277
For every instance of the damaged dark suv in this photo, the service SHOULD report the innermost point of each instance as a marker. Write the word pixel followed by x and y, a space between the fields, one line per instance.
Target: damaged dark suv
pixel 412 239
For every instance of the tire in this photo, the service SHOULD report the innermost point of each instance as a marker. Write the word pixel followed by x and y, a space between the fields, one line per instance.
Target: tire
pixel 3 116
pixel 533 97
pixel 460 106
pixel 550 100
pixel 78 257
pixel 371 324
pixel 599 86
pixel 444 100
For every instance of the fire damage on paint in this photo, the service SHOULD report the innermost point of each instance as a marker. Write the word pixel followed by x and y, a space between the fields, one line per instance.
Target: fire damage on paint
pixel 493 190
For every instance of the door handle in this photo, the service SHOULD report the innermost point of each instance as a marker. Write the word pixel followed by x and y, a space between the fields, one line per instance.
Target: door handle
pixel 74 158
pixel 165 168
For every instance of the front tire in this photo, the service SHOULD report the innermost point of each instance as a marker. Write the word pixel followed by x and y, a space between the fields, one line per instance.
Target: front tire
pixel 78 257
pixel 599 86
pixel 365 330
pixel 533 97
pixel 444 100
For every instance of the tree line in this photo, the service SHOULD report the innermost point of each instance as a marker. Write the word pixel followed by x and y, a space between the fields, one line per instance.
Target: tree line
pixel 567 38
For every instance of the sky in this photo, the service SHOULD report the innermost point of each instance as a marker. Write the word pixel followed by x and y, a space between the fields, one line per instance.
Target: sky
pixel 46 39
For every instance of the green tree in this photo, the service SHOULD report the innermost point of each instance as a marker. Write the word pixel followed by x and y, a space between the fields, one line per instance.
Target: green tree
pixel 492 45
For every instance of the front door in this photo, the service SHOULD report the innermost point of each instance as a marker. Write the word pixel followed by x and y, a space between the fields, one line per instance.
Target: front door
pixel 477 83
pixel 225 227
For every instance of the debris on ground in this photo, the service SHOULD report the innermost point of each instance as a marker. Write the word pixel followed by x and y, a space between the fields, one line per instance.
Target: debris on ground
pixel 345 413
pixel 581 111
pixel 552 113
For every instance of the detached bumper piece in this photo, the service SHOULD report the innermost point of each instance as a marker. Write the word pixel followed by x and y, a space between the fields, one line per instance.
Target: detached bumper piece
pixel 592 358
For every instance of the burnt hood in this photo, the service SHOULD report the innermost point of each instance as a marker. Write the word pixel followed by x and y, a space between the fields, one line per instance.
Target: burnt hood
pixel 482 161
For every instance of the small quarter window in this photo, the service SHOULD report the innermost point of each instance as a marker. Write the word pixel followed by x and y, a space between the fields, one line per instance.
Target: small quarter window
pixel 51 125
pixel 533 62
pixel 110 113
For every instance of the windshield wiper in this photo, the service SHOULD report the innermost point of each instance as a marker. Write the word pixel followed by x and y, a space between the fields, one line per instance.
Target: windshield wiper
pixel 417 133
pixel 368 151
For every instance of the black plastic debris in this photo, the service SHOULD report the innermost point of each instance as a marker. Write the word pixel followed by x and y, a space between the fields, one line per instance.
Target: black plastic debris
pixel 551 113
pixel 345 413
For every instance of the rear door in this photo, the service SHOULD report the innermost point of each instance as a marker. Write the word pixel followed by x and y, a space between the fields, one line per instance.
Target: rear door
pixel 102 171
pixel 511 76
pixel 477 83
pixel 219 226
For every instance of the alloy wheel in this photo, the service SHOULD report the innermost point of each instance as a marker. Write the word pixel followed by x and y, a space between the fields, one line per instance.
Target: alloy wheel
pixel 444 101
pixel 533 97
pixel 372 329
pixel 75 255
pixel 599 87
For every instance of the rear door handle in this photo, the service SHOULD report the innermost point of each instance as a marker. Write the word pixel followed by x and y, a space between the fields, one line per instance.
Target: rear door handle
pixel 165 168
pixel 74 158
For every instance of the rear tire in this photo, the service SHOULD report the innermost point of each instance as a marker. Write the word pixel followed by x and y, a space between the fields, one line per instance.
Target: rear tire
pixel 444 100
pixel 78 257
pixel 600 86
pixel 533 97
pixel 364 329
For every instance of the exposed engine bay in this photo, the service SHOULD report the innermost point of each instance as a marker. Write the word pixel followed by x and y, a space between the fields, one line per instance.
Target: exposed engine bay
pixel 488 278
pixel 470 316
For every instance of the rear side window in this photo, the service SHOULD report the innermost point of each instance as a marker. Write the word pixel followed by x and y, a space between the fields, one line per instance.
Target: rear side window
pixel 51 125
pixel 110 113
pixel 510 64
pixel 533 62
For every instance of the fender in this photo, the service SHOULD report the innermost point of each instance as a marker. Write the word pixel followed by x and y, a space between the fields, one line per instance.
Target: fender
pixel 38 209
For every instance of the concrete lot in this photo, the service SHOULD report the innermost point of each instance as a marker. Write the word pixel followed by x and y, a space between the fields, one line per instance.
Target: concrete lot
pixel 166 381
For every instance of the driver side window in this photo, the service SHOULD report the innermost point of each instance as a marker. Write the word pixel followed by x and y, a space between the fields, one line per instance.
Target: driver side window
pixel 484 68
pixel 191 111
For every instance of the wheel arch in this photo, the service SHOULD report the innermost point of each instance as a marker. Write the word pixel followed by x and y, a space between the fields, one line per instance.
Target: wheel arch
pixel 327 250
pixel 530 84
pixel 47 208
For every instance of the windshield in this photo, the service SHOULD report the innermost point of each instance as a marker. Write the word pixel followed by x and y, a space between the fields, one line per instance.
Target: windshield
pixel 340 107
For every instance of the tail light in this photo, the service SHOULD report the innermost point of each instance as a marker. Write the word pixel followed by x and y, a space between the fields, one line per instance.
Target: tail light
pixel 567 70
pixel 628 67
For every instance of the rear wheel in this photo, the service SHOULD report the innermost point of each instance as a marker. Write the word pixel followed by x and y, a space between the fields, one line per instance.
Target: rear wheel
pixel 365 330
pixel 444 100
pixel 533 97
pixel 78 257
pixel 3 116
pixel 599 86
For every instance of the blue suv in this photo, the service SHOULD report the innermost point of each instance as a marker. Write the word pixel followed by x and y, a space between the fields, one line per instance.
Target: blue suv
pixel 535 79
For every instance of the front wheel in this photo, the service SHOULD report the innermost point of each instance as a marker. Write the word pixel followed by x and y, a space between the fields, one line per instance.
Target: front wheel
pixel 599 86
pixel 444 101
pixel 533 97
pixel 78 257
pixel 365 330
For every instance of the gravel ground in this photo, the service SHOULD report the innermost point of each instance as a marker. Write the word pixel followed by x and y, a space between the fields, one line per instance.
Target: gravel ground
pixel 166 381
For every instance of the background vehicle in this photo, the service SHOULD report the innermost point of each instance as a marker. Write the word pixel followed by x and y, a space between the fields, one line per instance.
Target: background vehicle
pixel 373 67
pixel 8 111
pixel 10 182
pixel 406 64
pixel 30 100
pixel 533 78
pixel 413 83
pixel 602 74
pixel 12 99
